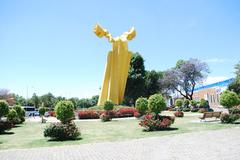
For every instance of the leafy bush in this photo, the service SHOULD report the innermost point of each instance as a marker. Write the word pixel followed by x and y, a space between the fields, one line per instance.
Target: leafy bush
pixel 194 109
pixel 4 109
pixel 152 122
pixel 178 114
pixel 186 102
pixel 203 103
pixel 64 111
pixel 202 110
pixel 141 105
pixel 108 105
pixel 186 109
pixel 105 117
pixel 5 125
pixel 126 112
pixel 12 117
pixel 156 103
pixel 229 118
pixel 20 112
pixel 235 110
pixel 62 131
pixel 179 102
pixel 42 111
pixel 229 99
pixel 193 103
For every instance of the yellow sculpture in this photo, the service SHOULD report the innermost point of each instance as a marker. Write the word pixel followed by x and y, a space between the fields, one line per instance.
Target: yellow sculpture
pixel 116 70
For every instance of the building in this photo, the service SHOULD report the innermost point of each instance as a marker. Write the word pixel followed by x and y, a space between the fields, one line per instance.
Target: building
pixel 212 92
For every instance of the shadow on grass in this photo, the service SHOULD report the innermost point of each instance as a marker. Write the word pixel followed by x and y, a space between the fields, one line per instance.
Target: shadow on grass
pixel 166 129
pixel 59 140
pixel 6 133
pixel 16 126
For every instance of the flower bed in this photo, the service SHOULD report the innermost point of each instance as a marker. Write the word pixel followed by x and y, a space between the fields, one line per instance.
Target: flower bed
pixel 118 113
pixel 52 113
pixel 178 114
pixel 152 122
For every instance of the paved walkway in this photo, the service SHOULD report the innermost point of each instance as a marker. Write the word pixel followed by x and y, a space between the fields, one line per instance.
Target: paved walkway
pixel 209 145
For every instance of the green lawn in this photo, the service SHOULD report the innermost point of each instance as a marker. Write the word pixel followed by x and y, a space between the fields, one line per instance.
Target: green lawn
pixel 30 134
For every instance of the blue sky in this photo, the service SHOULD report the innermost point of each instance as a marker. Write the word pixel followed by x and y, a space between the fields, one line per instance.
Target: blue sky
pixel 49 46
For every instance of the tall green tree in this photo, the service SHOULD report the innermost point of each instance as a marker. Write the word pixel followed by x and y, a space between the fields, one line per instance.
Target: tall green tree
pixel 152 85
pixel 135 86
pixel 35 100
pixel 48 100
pixel 235 85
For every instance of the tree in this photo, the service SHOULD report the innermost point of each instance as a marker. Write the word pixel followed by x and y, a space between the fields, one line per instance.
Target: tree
pixel 4 109
pixel 135 81
pixel 229 99
pixel 48 100
pixel 42 111
pixel 184 77
pixel 151 82
pixel 20 100
pixel 7 96
pixel 235 85
pixel 35 100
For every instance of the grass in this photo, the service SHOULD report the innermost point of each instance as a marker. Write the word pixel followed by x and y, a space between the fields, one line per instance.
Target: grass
pixel 30 134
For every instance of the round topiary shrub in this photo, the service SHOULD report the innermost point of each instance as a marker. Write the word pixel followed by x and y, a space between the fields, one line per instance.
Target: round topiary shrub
pixel 156 103
pixel 229 118
pixel 186 103
pixel 42 111
pixel 13 117
pixel 142 105
pixel 105 117
pixel 203 103
pixel 20 112
pixel 62 131
pixel 64 111
pixel 4 109
pixel 108 105
pixel 229 99
pixel 193 103
pixel 179 102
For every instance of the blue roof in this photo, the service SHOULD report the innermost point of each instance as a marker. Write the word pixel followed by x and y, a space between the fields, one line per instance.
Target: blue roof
pixel 218 84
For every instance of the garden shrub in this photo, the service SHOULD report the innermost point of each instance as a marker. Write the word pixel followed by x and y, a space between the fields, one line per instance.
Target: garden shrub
pixel 5 125
pixel 178 114
pixel 152 122
pixel 62 131
pixel 42 111
pixel 202 110
pixel 12 117
pixel 229 118
pixel 108 105
pixel 193 103
pixel 20 112
pixel 156 103
pixel 179 102
pixel 141 105
pixel 229 99
pixel 186 103
pixel 4 109
pixel 52 113
pixel 105 117
pixel 194 109
pixel 89 114
pixel 64 111
pixel 186 109
pixel 126 112
pixel 235 110
pixel 203 103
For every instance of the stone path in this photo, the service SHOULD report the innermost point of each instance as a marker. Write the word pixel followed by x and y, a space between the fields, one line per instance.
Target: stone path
pixel 207 145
